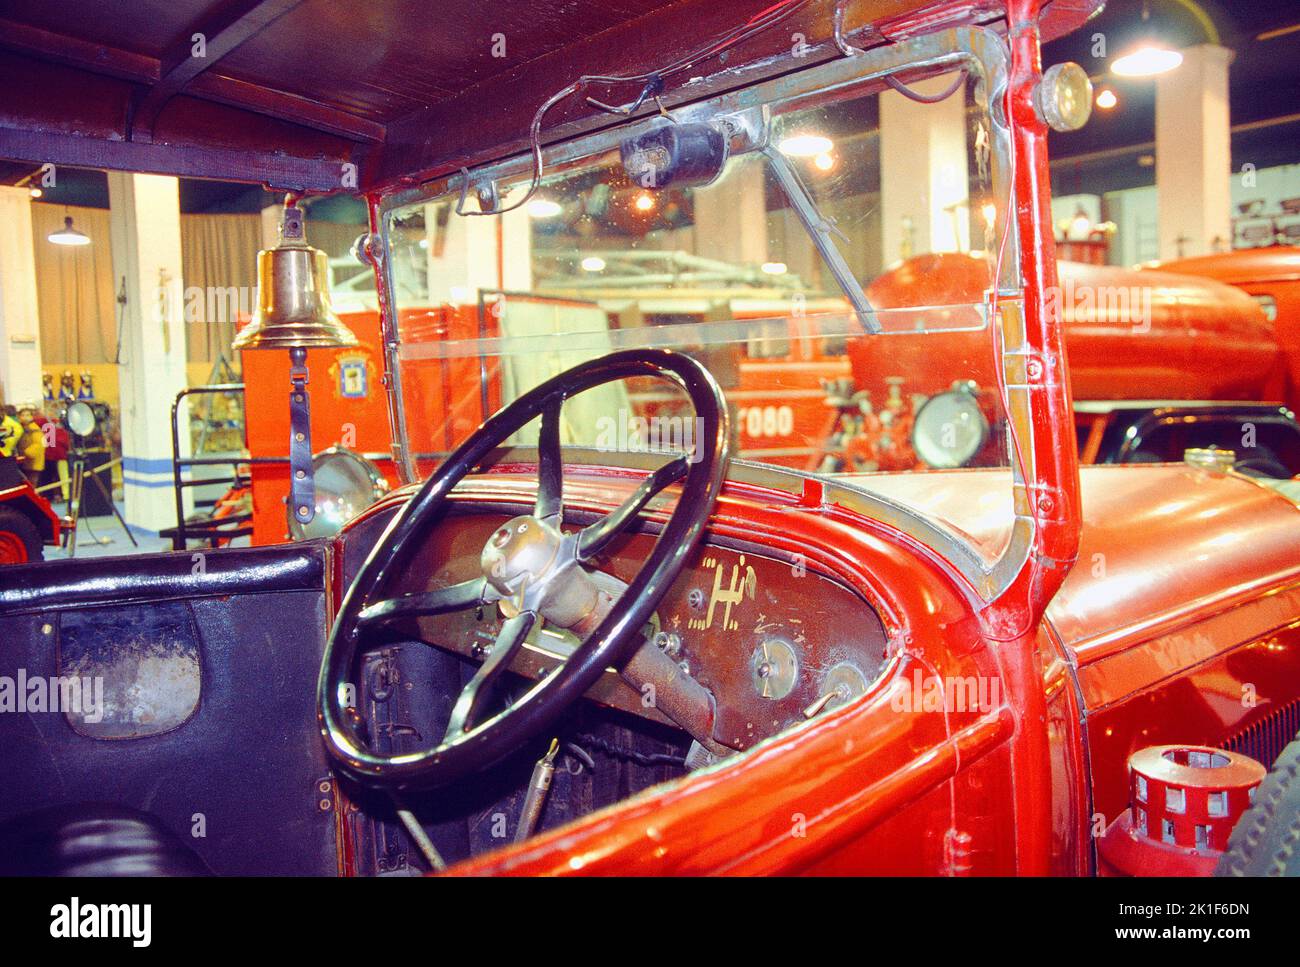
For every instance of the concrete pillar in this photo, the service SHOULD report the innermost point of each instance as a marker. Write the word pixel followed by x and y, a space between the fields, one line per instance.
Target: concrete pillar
pixel 731 215
pixel 146 238
pixel 924 189
pixel 468 253
pixel 1193 154
pixel 20 329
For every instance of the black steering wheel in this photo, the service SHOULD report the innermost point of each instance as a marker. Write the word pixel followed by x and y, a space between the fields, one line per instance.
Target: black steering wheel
pixel 532 569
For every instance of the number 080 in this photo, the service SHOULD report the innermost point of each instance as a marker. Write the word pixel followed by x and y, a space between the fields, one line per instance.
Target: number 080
pixel 767 421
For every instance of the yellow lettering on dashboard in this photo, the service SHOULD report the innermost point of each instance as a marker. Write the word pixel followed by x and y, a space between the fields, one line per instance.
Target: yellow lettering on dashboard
pixel 729 596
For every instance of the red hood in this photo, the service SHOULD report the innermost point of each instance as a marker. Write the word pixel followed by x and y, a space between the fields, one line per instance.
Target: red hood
pixel 1157 541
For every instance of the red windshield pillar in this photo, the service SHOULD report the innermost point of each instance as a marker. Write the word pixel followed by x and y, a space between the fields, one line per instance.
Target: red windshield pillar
pixel 1052 474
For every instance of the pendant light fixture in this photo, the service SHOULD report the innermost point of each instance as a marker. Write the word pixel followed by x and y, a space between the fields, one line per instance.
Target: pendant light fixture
pixel 67 235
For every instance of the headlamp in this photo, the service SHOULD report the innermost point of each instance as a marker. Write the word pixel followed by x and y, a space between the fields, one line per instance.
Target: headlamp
pixel 346 483
pixel 950 428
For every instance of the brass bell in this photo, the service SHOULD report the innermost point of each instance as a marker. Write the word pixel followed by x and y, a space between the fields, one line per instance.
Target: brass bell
pixel 294 313
pixel 293 299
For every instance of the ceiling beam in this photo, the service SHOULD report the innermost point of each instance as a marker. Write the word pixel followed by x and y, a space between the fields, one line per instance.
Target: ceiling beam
pixel 200 48
pixel 277 171
pixel 285 107
pixel 72 52
pixel 141 69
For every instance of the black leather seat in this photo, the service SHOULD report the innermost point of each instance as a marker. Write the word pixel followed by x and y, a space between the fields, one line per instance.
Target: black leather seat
pixel 94 839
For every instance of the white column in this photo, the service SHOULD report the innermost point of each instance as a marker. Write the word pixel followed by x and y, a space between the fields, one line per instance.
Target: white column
pixel 924 189
pixel 1193 154
pixel 272 215
pixel 20 330
pixel 731 215
pixel 146 238
pixel 478 252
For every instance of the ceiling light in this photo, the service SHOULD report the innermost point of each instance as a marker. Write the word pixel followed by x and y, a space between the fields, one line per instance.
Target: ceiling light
pixel 774 268
pixel 593 263
pixel 805 145
pixel 1106 99
pixel 35 192
pixel 544 208
pixel 1147 61
pixel 644 202
pixel 68 235
pixel 824 161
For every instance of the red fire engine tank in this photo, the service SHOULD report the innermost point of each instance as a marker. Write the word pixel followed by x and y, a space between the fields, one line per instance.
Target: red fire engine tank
pixel 1128 334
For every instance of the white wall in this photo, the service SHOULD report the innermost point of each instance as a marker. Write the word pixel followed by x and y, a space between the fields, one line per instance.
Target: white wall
pixel 1134 210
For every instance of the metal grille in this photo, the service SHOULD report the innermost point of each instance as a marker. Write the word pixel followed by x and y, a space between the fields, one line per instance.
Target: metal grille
pixel 1264 739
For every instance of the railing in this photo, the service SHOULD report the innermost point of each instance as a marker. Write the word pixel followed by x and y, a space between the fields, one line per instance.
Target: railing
pixel 237 525
pixel 213 531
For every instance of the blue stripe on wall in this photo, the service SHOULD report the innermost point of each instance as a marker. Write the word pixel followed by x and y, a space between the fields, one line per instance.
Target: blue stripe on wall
pixel 147 464
pixel 131 481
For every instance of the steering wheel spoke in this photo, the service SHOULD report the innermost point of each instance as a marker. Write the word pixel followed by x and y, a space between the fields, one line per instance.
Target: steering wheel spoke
pixel 455 597
pixel 476 694
pixel 596 537
pixel 550 466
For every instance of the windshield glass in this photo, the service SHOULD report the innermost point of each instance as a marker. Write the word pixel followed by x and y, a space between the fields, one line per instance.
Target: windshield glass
pixel 826 255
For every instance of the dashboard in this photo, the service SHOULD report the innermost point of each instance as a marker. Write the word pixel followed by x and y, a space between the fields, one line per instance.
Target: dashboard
pixel 773 640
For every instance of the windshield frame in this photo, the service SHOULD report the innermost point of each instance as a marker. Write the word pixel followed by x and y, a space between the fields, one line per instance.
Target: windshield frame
pixel 981 50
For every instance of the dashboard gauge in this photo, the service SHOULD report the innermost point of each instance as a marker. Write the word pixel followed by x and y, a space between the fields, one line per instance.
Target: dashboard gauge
pixel 775 668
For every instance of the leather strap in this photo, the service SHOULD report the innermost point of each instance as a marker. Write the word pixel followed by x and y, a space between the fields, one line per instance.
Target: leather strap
pixel 302 487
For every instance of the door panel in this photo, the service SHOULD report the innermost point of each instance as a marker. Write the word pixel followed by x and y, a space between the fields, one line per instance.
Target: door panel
pixel 196 696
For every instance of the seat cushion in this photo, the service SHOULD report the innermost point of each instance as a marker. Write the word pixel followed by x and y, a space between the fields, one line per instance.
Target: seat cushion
pixel 94 839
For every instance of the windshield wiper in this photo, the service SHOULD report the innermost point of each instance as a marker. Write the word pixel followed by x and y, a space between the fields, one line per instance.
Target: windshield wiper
pixel 821 228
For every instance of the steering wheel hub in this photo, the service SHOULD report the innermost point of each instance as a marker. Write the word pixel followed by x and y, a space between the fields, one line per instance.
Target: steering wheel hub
pixel 520 555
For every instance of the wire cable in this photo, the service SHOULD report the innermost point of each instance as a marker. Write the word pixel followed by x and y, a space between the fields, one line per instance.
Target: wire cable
pixel 849 50
pixel 651 79
pixel 640 758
